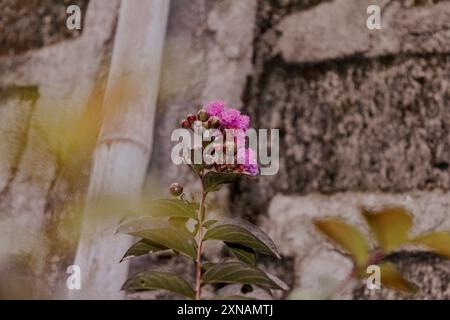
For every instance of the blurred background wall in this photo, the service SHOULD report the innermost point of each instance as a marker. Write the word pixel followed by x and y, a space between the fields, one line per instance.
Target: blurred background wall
pixel 363 117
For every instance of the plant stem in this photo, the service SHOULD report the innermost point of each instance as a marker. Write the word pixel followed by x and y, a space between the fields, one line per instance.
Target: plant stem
pixel 198 261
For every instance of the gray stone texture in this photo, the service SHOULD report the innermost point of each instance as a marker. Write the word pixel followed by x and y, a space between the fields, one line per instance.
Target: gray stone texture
pixel 363 118
pixel 30 25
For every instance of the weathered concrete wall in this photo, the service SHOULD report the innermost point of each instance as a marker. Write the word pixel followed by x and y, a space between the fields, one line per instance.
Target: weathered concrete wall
pixel 45 86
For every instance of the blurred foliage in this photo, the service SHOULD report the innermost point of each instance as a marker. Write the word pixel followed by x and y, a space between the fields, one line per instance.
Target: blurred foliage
pixel 390 228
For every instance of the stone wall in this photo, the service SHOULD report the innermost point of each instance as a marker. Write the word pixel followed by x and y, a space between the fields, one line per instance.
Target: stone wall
pixel 363 118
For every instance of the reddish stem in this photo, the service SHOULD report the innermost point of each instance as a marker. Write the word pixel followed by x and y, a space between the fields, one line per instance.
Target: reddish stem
pixel 198 261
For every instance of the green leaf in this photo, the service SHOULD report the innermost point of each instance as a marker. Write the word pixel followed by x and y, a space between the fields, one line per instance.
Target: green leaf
pixel 238 272
pixel 175 239
pixel 346 236
pixel 141 248
pixel 207 265
pixel 390 226
pixel 156 280
pixel 245 254
pixel 436 241
pixel 213 181
pixel 208 224
pixel 241 232
pixel 170 208
pixel 132 224
pixel 392 278
pixel 193 204
pixel 179 223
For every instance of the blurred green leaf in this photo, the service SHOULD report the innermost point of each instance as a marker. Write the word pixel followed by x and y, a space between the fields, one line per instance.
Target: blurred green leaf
pixel 141 248
pixel 175 239
pixel 238 272
pixel 132 224
pixel 241 232
pixel 154 280
pixel 346 236
pixel 436 241
pixel 193 204
pixel 392 278
pixel 174 208
pixel 390 226
pixel 213 181
pixel 243 253
pixel 207 265
pixel 208 224
pixel 179 223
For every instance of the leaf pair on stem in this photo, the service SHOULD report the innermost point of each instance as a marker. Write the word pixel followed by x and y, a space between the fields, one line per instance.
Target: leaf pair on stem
pixel 390 228
pixel 163 225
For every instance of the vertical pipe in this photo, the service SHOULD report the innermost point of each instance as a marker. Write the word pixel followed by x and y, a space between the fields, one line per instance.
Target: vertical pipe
pixel 122 154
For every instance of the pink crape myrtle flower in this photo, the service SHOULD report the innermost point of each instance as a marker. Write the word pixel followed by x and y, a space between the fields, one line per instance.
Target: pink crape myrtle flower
pixel 215 108
pixel 232 119
pixel 229 118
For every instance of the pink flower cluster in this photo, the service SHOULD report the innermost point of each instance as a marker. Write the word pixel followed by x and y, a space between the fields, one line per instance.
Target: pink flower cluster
pixel 229 118
pixel 233 119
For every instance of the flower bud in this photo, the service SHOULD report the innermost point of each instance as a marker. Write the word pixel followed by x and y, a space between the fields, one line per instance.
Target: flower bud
pixel 176 189
pixel 185 124
pixel 202 115
pixel 214 122
pixel 191 118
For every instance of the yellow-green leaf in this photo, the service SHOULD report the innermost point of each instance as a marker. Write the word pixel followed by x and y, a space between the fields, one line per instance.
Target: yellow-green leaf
pixel 242 232
pixel 346 236
pixel 245 254
pixel 141 248
pixel 154 280
pixel 175 239
pixel 390 226
pixel 174 208
pixel 436 241
pixel 392 278
pixel 239 272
